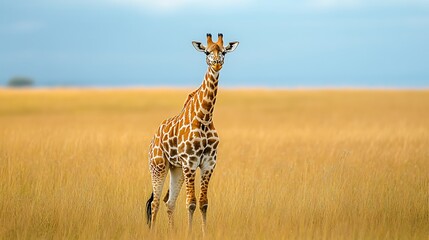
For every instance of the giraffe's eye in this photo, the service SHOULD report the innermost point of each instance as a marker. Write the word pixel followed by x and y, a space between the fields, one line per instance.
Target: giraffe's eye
pixel 207 53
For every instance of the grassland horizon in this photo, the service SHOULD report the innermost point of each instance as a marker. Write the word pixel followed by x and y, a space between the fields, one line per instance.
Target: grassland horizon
pixel 293 163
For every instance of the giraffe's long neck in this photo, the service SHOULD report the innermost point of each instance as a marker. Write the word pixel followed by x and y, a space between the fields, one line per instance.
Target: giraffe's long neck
pixel 204 106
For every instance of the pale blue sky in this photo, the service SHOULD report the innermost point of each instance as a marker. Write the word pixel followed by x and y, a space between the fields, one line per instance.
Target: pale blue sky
pixel 308 43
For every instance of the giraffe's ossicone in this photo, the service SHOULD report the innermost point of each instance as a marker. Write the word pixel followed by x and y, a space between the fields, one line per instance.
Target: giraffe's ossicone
pixel 188 141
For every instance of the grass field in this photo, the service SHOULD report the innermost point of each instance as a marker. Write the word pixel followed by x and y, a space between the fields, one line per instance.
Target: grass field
pixel 307 164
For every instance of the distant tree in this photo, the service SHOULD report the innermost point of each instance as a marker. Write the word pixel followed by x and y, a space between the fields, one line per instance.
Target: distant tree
pixel 20 82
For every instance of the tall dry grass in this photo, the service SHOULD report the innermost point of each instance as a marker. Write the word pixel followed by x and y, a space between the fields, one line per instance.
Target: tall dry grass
pixel 292 164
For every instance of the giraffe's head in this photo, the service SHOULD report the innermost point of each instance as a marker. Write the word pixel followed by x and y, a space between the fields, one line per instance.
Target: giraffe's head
pixel 215 51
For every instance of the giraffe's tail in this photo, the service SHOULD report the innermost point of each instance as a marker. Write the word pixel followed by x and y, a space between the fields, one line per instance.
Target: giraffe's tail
pixel 149 209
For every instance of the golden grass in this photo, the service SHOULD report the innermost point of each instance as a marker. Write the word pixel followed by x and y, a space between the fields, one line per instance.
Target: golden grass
pixel 307 164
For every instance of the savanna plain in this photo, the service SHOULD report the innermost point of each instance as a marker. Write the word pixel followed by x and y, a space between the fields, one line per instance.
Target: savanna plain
pixel 292 164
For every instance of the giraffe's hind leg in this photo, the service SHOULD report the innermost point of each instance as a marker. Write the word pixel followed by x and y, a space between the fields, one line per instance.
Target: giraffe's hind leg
pixel 176 182
pixel 158 169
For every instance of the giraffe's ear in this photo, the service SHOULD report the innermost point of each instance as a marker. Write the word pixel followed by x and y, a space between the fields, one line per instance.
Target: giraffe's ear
pixel 231 47
pixel 199 46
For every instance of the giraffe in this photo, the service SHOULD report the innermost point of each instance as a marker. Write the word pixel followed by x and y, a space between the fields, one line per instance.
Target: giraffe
pixel 188 141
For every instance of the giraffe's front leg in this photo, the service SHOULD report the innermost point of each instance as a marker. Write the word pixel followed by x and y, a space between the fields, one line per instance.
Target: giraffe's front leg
pixel 191 200
pixel 206 172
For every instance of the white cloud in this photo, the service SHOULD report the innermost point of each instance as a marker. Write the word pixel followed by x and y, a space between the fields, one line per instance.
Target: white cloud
pixel 329 4
pixel 205 5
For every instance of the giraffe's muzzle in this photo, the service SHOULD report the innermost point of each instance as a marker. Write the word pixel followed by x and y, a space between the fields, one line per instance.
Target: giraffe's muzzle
pixel 217 66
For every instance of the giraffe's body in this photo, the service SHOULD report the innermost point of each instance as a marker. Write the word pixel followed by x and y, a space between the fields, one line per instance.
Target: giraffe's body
pixel 187 141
